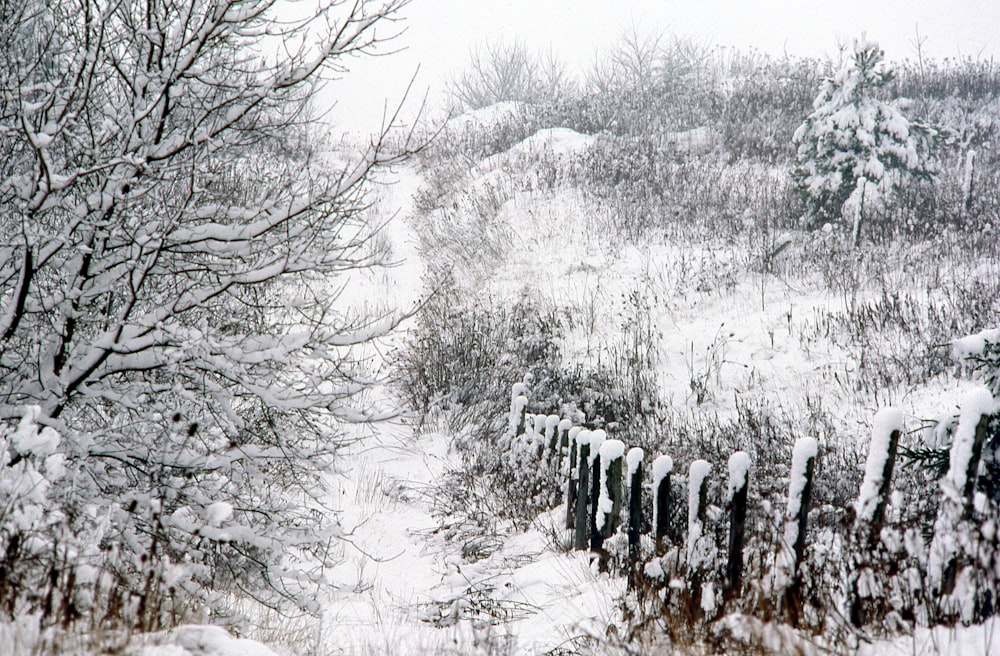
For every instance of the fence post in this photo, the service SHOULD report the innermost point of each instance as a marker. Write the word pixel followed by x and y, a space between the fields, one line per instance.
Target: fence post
pixel 874 493
pixel 870 508
pixel 583 486
pixel 697 506
pixel 539 435
pixel 610 503
pixel 552 439
pixel 562 438
pixel 662 468
pixel 518 410
pixel 633 460
pixel 947 555
pixel 597 438
pixel 739 479
pixel 796 519
pixel 572 479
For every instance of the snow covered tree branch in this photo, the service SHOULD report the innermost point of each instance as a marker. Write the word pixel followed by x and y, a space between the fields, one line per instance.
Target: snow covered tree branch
pixel 168 246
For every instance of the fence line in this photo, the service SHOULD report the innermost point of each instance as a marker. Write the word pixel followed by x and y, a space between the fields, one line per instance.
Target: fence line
pixel 592 467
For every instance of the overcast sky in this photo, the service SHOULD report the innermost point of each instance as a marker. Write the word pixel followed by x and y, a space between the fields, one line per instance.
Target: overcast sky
pixel 440 33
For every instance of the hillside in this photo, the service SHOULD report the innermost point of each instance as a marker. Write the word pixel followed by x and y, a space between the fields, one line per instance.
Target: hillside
pixel 704 319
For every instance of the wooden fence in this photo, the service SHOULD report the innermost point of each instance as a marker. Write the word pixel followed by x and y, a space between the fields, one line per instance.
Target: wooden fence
pixel 594 468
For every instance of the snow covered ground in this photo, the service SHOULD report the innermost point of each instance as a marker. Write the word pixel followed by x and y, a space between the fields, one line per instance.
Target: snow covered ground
pixel 402 586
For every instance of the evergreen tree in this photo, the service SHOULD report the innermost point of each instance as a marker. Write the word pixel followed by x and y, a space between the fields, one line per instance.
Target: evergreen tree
pixel 854 149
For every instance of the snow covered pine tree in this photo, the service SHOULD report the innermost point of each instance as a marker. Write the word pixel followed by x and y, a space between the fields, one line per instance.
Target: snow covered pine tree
pixel 167 245
pixel 854 149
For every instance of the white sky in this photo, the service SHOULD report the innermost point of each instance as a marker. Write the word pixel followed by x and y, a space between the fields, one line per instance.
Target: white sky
pixel 440 33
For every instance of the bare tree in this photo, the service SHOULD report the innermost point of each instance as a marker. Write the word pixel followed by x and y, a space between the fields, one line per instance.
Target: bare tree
pixel 501 71
pixel 156 217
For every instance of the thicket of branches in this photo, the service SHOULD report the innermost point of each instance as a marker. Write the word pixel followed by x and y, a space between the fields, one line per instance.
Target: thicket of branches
pixel 169 330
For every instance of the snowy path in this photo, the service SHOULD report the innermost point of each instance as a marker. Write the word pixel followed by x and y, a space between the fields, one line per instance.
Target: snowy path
pixel 395 573
pixel 387 567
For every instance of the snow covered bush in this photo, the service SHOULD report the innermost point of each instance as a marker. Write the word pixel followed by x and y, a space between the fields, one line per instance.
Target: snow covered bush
pixel 854 149
pixel 159 201
pixel 31 523
pixel 981 353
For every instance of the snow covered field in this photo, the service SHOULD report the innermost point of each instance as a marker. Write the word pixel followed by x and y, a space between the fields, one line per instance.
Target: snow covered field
pixel 267 395
pixel 736 332
pixel 405 588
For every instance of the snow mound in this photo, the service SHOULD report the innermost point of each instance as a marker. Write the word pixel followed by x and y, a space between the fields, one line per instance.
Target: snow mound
pixel 484 117
pixel 198 640
pixel 554 141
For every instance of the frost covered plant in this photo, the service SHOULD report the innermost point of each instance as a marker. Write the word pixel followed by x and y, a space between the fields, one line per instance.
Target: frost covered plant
pixel 854 149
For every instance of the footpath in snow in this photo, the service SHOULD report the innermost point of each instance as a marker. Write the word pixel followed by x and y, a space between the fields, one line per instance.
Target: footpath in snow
pixel 403 588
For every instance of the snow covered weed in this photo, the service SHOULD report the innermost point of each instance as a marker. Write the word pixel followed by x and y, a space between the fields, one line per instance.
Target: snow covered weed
pixel 656 192
pixel 465 354
pixel 480 134
pixel 468 516
pixel 901 337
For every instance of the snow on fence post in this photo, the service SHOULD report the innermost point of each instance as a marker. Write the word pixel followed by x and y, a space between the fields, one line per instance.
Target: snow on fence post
pixel 552 438
pixel 597 438
pixel 539 435
pixel 633 461
pixel 967 447
pixel 700 552
pixel 552 453
pixel 796 518
pixel 697 505
pixel 518 410
pixel 870 509
pixel 562 438
pixel 662 467
pixel 572 477
pixel 609 503
pixel 874 493
pixel 952 548
pixel 583 485
pixel 739 470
